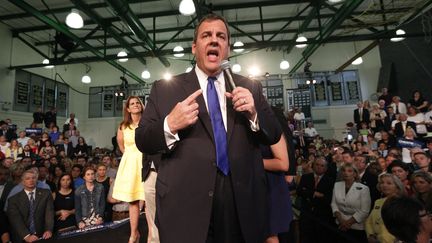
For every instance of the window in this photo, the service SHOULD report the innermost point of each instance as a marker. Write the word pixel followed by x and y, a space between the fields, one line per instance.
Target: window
pixel 33 91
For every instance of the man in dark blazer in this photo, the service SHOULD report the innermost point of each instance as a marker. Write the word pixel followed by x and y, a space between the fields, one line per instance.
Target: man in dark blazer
pixel 195 190
pixel 361 115
pixel 23 227
pixel 67 147
pixel 316 190
pixel 366 177
pixel 391 116
pixel 5 187
pixel 401 126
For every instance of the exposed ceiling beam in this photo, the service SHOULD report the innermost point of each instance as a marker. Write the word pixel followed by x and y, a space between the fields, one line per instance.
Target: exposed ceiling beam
pixel 359 54
pixel 344 11
pixel 28 8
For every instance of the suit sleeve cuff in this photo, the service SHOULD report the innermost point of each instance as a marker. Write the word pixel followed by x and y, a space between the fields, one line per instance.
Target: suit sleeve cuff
pixel 170 138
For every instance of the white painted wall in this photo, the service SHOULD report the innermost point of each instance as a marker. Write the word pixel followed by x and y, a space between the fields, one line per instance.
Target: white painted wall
pixel 98 131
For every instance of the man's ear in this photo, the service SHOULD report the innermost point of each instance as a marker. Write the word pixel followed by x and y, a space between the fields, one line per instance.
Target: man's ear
pixel 193 48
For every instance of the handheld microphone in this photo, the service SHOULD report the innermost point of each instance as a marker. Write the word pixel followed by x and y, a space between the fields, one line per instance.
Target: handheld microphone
pixel 226 68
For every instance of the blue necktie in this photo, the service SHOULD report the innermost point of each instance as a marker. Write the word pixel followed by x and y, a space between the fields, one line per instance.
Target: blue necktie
pixel 32 227
pixel 219 131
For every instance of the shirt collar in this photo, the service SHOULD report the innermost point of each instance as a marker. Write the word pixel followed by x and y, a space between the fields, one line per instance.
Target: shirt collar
pixel 203 76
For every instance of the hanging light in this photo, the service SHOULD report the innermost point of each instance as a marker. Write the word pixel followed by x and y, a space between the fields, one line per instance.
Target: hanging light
pixel 400 33
pixel 187 7
pixel 334 1
pixel 357 61
pixel 188 69
pixel 86 79
pixel 46 62
pixel 145 74
pixel 178 51
pixel 238 46
pixel 300 39
pixel 167 76
pixel 74 19
pixel 236 68
pixel 284 65
pixel 122 53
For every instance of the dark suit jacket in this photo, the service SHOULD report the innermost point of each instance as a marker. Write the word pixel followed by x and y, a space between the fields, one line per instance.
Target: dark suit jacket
pixel 146 162
pixel 70 149
pixel 399 132
pixel 187 172
pixel 388 121
pixel 317 206
pixel 18 212
pixel 365 115
pixel 8 187
pixel 371 181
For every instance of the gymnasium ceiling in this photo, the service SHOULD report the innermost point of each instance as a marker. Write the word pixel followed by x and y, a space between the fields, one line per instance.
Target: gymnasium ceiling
pixel 158 26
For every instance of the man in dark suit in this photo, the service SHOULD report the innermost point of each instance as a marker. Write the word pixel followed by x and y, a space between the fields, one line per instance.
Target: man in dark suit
pixel 31 211
pixel 67 147
pixel 316 190
pixel 5 187
pixel 391 116
pixel 367 178
pixel 361 115
pixel 209 140
pixel 402 125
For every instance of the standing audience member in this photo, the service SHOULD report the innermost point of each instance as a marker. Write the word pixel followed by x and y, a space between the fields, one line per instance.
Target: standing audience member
pixel 407 219
pixel 89 201
pixel 388 120
pixel 38 116
pixel 105 181
pixel 350 205
pixel 377 117
pixel 64 203
pixel 422 161
pixel 31 212
pixel 50 117
pixel 385 96
pixel 398 106
pixel 418 102
pixel 5 187
pixel 109 163
pixel 366 177
pixel 361 115
pixel 422 184
pixel 390 186
pixel 76 175
pixel 72 120
pixel 419 119
pixel 402 171
pixel 67 147
pixel 315 190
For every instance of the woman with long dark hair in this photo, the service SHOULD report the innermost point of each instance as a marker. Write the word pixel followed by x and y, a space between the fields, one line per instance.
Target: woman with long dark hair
pixel 64 203
pixel 128 186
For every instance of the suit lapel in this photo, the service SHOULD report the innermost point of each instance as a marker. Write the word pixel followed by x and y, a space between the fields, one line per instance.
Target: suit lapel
pixel 38 198
pixel 190 85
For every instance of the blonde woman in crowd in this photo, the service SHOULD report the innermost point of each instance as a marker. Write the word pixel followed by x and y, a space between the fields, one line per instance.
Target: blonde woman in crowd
pixel 390 186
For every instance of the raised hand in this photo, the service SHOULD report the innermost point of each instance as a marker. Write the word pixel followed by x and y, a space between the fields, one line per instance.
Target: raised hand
pixel 184 114
pixel 243 101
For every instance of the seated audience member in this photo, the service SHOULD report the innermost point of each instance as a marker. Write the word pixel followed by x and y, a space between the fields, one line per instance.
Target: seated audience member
pixel 418 102
pixel 81 160
pixel 402 125
pixel 428 118
pixel 76 175
pixel 315 190
pixel 6 131
pixel 422 161
pixel 310 130
pixel 57 171
pixel 67 147
pixel 44 137
pixel 407 219
pixel 105 181
pixel 382 163
pixel 422 184
pixel 64 203
pixel 402 171
pixel 48 150
pixel 33 146
pixel 18 183
pixel 390 186
pixel 109 163
pixel 419 119
pixel 120 210
pixel 388 139
pixel 350 205
pixel 89 201
pixel 385 96
pixel 14 149
pixel 72 119
pixel 398 106
pixel 22 139
pixel 54 134
pixel 44 177
pixel 27 152
pixel 4 144
pixel 30 211
pixel 364 131
pixel 5 187
pixel 81 149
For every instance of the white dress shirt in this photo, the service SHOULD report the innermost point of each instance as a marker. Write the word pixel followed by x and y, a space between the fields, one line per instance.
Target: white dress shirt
pixel 171 138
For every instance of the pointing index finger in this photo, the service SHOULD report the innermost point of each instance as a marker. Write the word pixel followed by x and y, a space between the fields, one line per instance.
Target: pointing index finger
pixel 192 97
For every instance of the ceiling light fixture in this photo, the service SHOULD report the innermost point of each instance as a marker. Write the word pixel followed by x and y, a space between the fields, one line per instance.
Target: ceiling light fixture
pixel 74 19
pixel 145 74
pixel 334 1
pixel 122 53
pixel 301 40
pixel 400 33
pixel 238 46
pixel 188 69
pixel 86 78
pixel 167 76
pixel 254 71
pixel 284 65
pixel 357 61
pixel 46 62
pixel 187 7
pixel 178 51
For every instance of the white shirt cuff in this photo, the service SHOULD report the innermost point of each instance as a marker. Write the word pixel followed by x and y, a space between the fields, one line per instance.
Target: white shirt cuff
pixel 170 138
pixel 254 124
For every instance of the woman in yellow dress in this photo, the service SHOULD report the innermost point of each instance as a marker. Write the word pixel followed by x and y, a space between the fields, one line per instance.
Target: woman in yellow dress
pixel 128 186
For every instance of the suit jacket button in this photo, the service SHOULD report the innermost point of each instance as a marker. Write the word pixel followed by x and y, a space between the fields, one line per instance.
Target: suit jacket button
pixel 210 193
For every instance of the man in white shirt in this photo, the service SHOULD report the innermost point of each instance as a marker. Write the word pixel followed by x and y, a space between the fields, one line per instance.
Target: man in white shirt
pixel 23 139
pixel 398 106
pixel 310 131
pixel 72 118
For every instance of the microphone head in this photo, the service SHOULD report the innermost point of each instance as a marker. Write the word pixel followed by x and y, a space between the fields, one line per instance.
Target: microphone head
pixel 225 64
